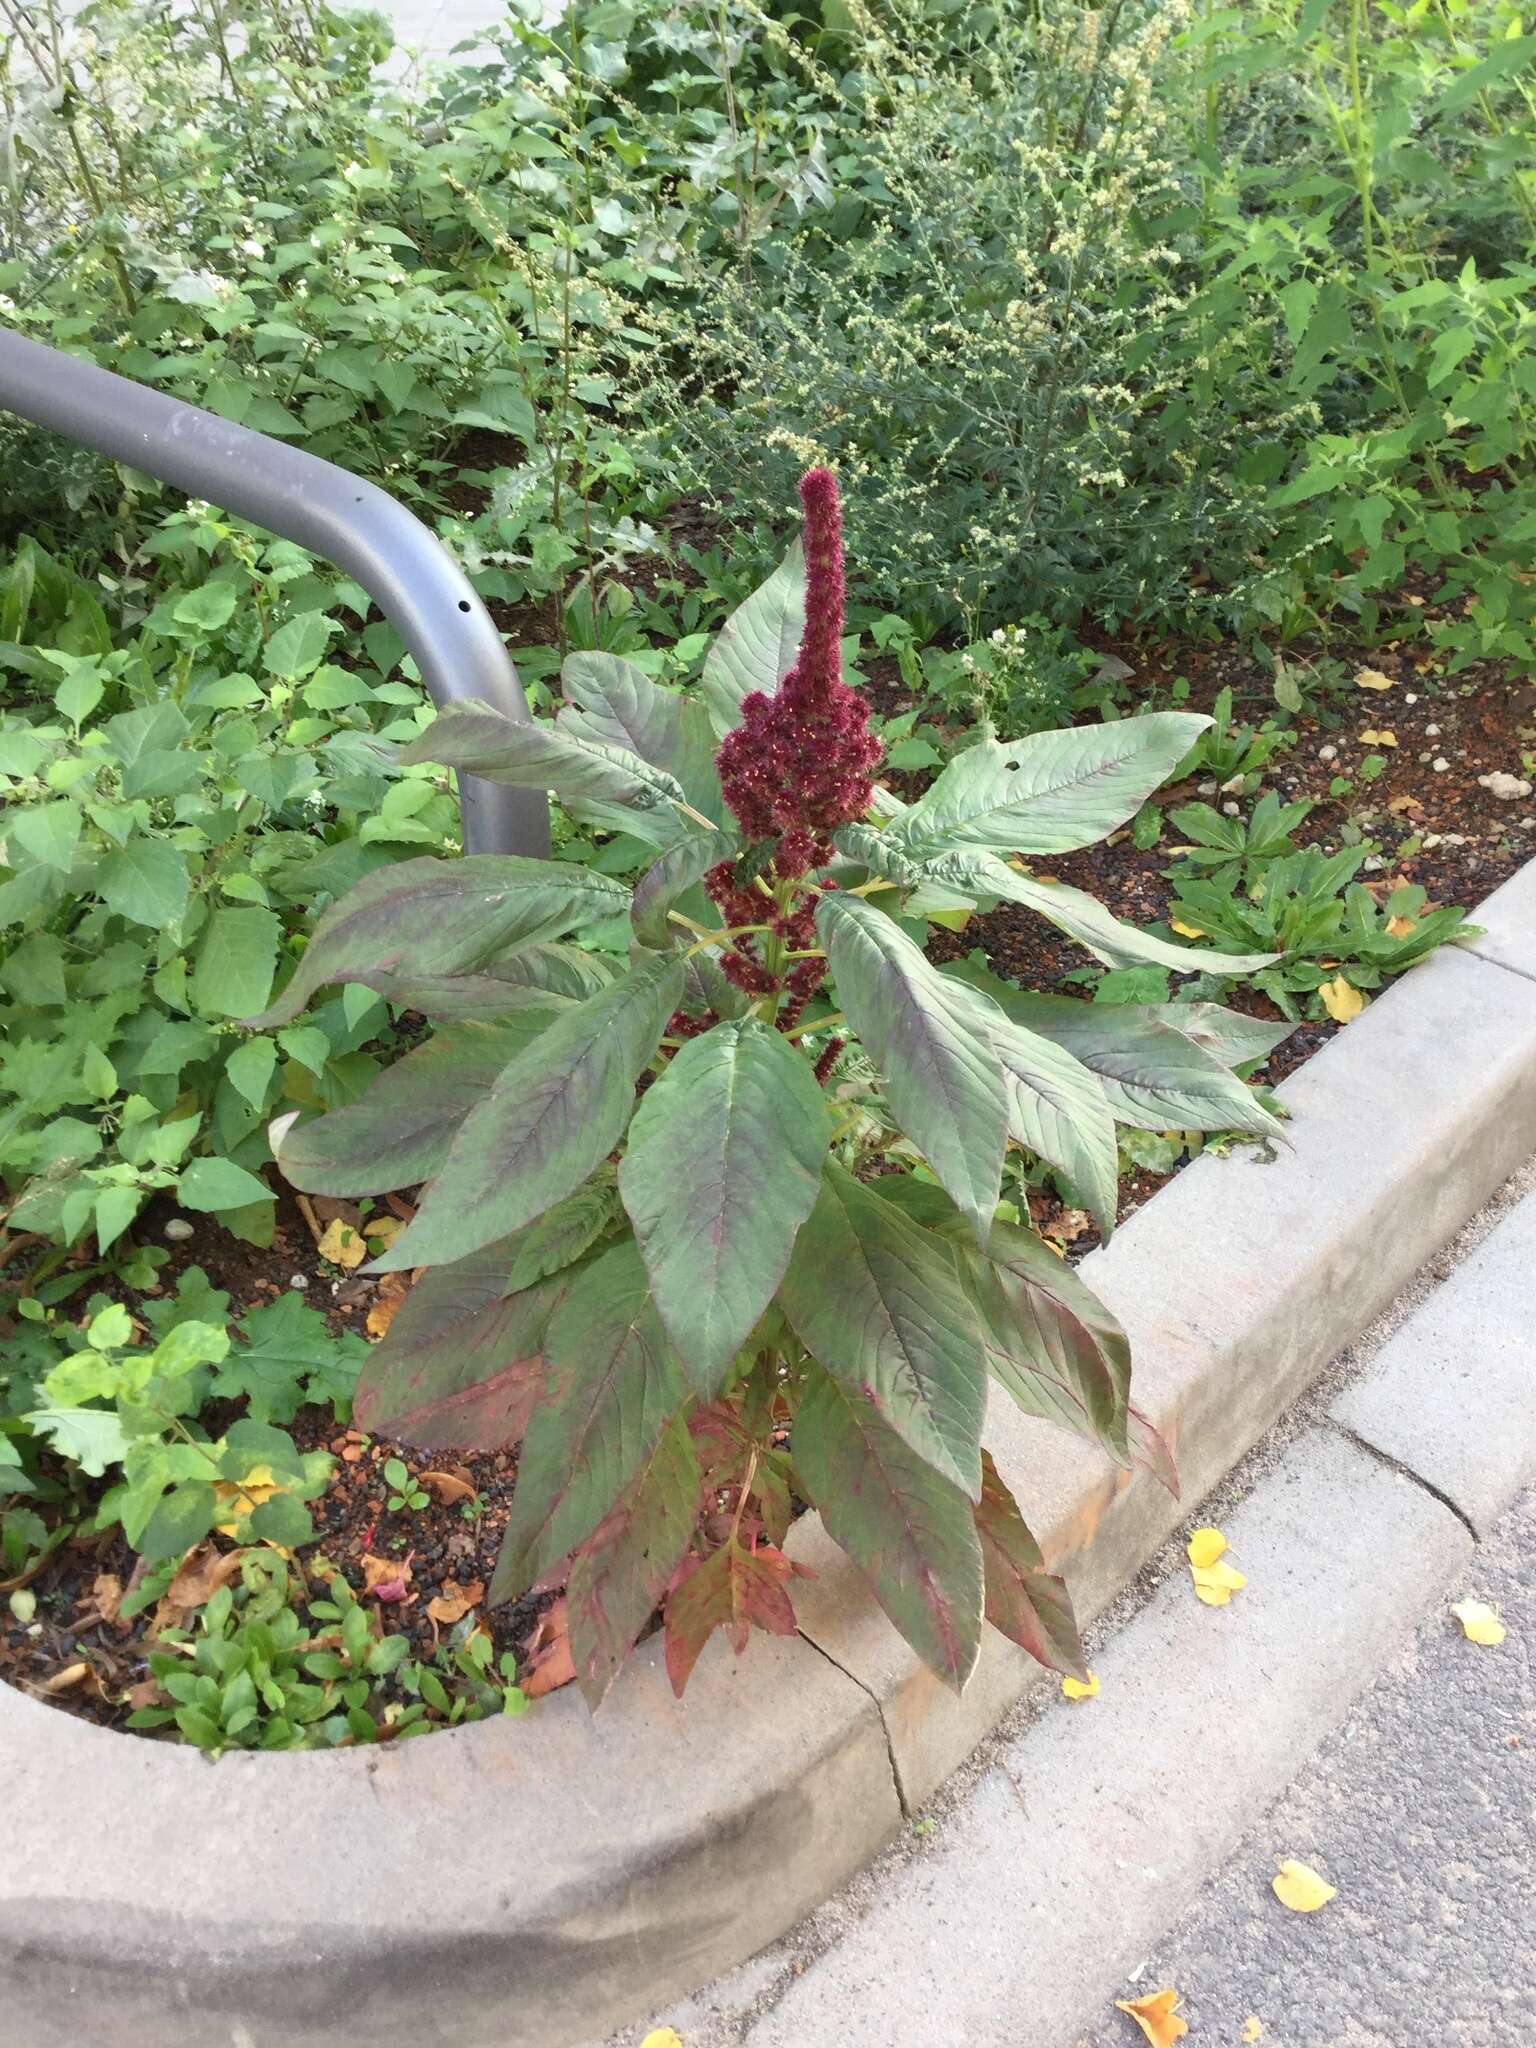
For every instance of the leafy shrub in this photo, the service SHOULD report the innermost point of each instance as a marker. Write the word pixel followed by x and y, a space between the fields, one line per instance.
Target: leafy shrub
pixel 795 1281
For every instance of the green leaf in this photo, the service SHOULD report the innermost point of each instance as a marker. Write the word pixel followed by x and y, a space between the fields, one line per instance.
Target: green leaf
pixel 1084 918
pixel 298 647
pixel 612 1384
pixel 1507 58
pixel 623 1569
pixel 478 739
pixel 617 705
pixel 183 1517
pixel 287 1347
pixel 1149 1073
pixel 461 1363
pixel 667 881
pixel 49 832
pixel 421 919
pixel 944 1082
pixel 878 1300
pixel 250 1068
pixel 908 1529
pixel 91 1438
pixel 722 1168
pixel 1050 792
pixel 757 645
pixel 283 1520
pixel 211 1184
pixel 1030 1605
pixel 210 606
pixel 399 1131
pixel 1228 1035
pixel 235 961
pixel 145 881
pixel 556 1112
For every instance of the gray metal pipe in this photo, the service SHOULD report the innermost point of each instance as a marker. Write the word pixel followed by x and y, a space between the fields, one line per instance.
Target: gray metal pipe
pixel 402 565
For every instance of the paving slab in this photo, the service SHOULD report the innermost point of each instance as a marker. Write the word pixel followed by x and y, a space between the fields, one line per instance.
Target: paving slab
pixel 1087 1834
pixel 1421 1809
pixel 1452 1395
pixel 1508 919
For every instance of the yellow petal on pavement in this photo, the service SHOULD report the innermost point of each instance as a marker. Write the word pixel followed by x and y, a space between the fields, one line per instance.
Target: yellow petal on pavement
pixel 1075 1689
pixel 1299 1887
pixel 1205 1546
pixel 663 2037
pixel 1480 1623
pixel 1156 2017
pixel 1253 2028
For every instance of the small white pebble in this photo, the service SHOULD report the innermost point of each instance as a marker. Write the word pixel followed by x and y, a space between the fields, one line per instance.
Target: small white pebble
pixel 1410 696
pixel 1327 753
pixel 299 1280
pixel 1508 787
pixel 1430 839
pixel 1431 732
pixel 178 1230
pixel 1206 788
pixel 1440 764
pixel 1373 863
pixel 1232 810
pixel 1234 786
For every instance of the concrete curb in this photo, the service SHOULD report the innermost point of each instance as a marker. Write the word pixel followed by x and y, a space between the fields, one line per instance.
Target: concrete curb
pixel 530 1883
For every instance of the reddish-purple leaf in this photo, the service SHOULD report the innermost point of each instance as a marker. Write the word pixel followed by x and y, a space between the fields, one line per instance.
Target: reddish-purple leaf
pixel 738 1587
pixel 1029 1604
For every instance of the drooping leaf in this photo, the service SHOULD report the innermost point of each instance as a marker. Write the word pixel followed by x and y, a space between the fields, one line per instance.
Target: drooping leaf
pixel 399 1130
pixel 1084 918
pixel 612 1383
pixel 1051 792
pixel 908 1528
pixel 541 977
pixel 617 704
pixel 1056 1106
pixel 756 647
pixel 668 881
pixel 480 740
pixel 460 1366
pixel 1030 1605
pixel 624 1567
pixel 738 1588
pixel 1227 1035
pixel 553 1115
pixel 722 1168
pixel 943 1080
pixel 1150 1074
pixel 428 918
pixel 878 1300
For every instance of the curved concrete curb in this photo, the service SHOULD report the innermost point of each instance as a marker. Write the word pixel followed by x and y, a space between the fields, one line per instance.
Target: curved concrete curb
pixel 526 1884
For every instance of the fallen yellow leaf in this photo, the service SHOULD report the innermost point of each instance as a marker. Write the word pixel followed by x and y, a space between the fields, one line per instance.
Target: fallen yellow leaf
pixel 1156 2017
pixel 663 2037
pixel 244 1496
pixel 340 1243
pixel 1378 739
pixel 1400 927
pixel 1253 2027
pixel 1215 1584
pixel 1372 679
pixel 1300 1888
pixel 1341 999
pixel 1075 1689
pixel 1186 931
pixel 1480 1623
pixel 1205 1546
pixel 383 1230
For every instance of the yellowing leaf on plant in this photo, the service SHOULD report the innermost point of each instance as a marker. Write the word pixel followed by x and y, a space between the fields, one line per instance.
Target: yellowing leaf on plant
pixel 1156 2017
pixel 663 2037
pixel 1371 738
pixel 1215 1584
pixel 1299 1887
pixel 1401 927
pixel 1081 1688
pixel 1480 1623
pixel 1372 679
pixel 1204 1547
pixel 1253 2028
pixel 341 1244
pixel 1341 999
pixel 1186 931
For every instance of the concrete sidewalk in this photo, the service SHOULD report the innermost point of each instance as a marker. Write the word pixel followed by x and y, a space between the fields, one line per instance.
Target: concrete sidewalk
pixel 1097 1851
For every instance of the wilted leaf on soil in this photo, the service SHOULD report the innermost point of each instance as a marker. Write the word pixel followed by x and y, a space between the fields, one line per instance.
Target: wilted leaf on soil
pixel 342 1245
pixel 1480 1623
pixel 201 1573
pixel 455 1601
pixel 448 1487
pixel 1373 679
pixel 1299 1887
pixel 386 1578
pixel 548 1652
pixel 1341 999
pixel 1156 2017
pixel 393 1288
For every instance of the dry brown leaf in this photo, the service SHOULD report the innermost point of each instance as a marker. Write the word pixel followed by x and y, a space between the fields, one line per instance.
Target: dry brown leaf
pixel 455 1601
pixel 107 1595
pixel 1069 1225
pixel 146 1693
pixel 548 1651
pixel 386 1578
pixel 67 1679
pixel 1404 803
pixel 1156 2017
pixel 393 1288
pixel 448 1487
pixel 201 1573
